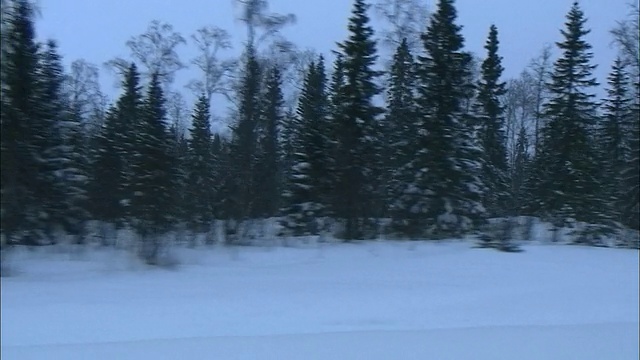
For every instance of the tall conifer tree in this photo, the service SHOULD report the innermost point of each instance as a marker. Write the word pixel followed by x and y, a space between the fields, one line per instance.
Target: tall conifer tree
pixel 21 115
pixel 239 167
pixel 490 113
pixel 401 123
pixel 631 173
pixel 358 129
pixel 63 146
pixel 567 160
pixel 306 197
pixel 614 127
pixel 446 186
pixel 200 170
pixel 152 171
pixel 268 167
pixel 336 114
pixel 110 187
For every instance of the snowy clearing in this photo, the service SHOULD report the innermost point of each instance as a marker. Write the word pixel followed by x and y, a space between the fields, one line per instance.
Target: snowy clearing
pixel 372 300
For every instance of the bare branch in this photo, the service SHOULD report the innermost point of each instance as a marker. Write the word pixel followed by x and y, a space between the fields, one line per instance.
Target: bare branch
pixel 406 19
pixel 256 17
pixel 178 112
pixel 210 41
pixel 118 67
pixel 520 110
pixel 626 36
pixel 541 67
pixel 155 50
pixel 86 99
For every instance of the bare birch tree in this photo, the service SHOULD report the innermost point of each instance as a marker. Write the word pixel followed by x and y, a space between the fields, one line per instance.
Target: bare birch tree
pixel 540 68
pixel 155 52
pixel 261 24
pixel 626 36
pixel 519 103
pixel 405 19
pixel 82 86
pixel 215 73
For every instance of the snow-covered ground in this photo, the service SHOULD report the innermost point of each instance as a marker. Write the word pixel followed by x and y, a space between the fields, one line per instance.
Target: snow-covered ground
pixel 371 300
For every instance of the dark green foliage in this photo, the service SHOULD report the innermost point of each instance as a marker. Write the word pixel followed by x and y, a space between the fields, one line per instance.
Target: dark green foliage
pixel 498 234
pixel 151 168
pixel 358 133
pixel 152 173
pixel 65 199
pixel 180 210
pixel 490 115
pixel 227 207
pixel 401 125
pixel 267 165
pixel 631 174
pixel 336 111
pixel 23 128
pixel 43 164
pixel 567 166
pixel 287 145
pixel 129 114
pixel 434 160
pixel 200 175
pixel 218 146
pixel 110 187
pixel 47 145
pixel 614 129
pixel 106 175
pixel 319 142
pixel 446 188
pixel 306 196
pixel 239 166
pixel 76 175
pixel 518 175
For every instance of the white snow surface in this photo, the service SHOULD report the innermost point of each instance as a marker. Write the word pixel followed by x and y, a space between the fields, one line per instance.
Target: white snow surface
pixel 370 300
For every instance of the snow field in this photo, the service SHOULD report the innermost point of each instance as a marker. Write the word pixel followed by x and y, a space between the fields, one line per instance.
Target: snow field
pixel 371 300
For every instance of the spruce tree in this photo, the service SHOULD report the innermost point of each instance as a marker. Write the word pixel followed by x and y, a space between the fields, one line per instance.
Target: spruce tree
pixel 567 161
pixel 110 183
pixel 239 167
pixel 62 145
pixel 631 174
pixel 519 173
pixel 218 145
pixel 490 114
pixel 287 150
pixel 336 114
pixel 446 185
pixel 47 141
pixel 267 168
pixel 180 210
pixel 318 137
pixel 21 105
pixel 300 209
pixel 77 175
pixel 227 208
pixel 152 171
pixel 129 113
pixel 306 197
pixel 200 169
pixel 615 125
pixel 400 128
pixel 358 129
pixel 106 175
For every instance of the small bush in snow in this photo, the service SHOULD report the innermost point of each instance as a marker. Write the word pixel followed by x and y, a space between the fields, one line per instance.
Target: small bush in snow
pixel 498 234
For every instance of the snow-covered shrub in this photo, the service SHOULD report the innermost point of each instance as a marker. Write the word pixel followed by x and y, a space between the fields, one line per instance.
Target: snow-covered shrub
pixel 499 234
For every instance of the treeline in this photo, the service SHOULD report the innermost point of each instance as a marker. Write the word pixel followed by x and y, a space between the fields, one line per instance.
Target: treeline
pixel 435 145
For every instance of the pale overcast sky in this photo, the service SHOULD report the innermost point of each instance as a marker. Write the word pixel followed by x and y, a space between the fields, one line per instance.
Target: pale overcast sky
pixel 97 30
